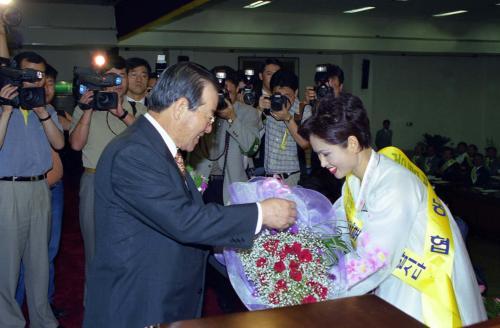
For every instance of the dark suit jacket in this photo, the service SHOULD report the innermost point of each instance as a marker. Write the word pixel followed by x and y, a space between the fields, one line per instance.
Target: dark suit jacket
pixel 152 233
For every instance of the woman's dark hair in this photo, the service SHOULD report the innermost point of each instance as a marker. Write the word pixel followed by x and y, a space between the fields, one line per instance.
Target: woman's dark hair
pixel 184 79
pixel 336 119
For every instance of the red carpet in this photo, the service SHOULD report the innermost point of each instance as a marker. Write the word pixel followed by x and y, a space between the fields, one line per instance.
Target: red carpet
pixel 70 268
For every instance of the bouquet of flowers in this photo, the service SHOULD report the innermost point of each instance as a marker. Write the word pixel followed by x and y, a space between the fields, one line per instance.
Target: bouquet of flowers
pixel 302 264
pixel 200 181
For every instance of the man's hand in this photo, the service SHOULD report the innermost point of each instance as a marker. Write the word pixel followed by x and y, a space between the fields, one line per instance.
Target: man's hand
pixel 228 112
pixel 41 112
pixel 283 114
pixel 264 102
pixel 86 99
pixel 8 92
pixel 118 111
pixel 309 95
pixel 278 213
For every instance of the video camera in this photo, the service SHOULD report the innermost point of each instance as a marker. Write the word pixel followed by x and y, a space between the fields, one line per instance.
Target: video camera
pixel 278 101
pixel 28 98
pixel 223 94
pixel 86 79
pixel 249 94
pixel 321 78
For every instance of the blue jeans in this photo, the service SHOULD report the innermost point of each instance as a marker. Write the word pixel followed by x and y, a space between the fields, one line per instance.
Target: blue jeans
pixel 57 205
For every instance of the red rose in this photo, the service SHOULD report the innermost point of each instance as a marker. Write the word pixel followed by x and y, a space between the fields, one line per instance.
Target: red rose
pixel 260 262
pixel 305 256
pixel 279 266
pixel 287 249
pixel 309 299
pixel 294 265
pixel 271 245
pixel 282 254
pixel 296 275
pixel 273 298
pixel 263 279
pixel 311 283
pixel 321 291
pixel 324 292
pixel 281 284
pixel 296 248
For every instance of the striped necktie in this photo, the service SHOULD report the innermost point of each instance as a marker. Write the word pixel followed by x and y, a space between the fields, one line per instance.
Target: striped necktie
pixel 180 163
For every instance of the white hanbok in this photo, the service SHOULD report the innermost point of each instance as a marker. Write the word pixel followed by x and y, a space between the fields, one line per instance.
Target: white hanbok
pixel 391 204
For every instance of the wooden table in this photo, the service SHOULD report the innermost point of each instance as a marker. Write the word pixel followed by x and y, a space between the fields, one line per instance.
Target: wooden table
pixel 361 311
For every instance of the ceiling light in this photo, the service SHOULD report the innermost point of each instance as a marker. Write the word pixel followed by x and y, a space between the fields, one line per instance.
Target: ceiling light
pixel 450 13
pixel 358 10
pixel 257 4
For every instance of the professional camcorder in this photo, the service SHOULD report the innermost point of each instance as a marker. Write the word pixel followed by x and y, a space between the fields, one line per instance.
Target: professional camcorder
pixel 278 101
pixel 321 78
pixel 223 94
pixel 28 98
pixel 86 79
pixel 249 95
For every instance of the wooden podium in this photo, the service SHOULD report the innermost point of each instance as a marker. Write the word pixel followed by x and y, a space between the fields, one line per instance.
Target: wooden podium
pixel 361 311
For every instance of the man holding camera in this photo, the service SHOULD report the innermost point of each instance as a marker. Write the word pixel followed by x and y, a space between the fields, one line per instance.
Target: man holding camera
pixel 90 132
pixel 329 78
pixel 26 137
pixel 281 158
pixel 220 154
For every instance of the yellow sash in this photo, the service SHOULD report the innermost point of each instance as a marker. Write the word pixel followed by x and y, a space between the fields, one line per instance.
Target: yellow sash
pixel 431 273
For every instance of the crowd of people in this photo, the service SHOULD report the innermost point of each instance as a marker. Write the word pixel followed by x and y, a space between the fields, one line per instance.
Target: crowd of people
pixel 143 265
pixel 464 164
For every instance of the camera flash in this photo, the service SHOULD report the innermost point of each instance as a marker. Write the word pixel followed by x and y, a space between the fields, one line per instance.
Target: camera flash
pixel 321 68
pixel 99 60
pixel 220 75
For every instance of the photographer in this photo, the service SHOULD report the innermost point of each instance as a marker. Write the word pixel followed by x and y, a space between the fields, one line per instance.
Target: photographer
pixel 329 78
pixel 268 68
pixel 220 155
pixel 90 132
pixel 26 137
pixel 54 180
pixel 281 159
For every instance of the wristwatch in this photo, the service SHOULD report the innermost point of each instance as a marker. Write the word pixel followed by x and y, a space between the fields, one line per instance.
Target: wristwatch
pixel 122 117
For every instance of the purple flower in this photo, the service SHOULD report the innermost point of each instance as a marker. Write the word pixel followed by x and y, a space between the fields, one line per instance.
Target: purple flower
pixel 332 276
pixel 274 232
pixel 294 229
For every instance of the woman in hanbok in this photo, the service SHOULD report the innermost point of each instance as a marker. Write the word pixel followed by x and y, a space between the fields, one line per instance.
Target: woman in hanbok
pixel 407 248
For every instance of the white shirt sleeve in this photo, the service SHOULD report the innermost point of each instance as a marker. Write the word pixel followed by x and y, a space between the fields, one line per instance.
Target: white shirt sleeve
pixel 259 219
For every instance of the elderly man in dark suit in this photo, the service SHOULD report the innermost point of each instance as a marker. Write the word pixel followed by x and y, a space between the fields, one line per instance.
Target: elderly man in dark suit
pixel 152 227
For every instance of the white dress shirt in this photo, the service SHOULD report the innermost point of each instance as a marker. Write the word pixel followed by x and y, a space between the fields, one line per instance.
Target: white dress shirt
pixel 173 150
